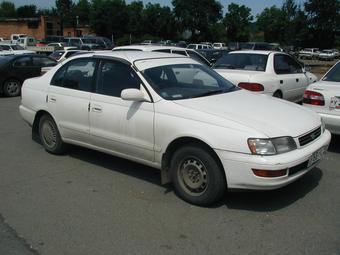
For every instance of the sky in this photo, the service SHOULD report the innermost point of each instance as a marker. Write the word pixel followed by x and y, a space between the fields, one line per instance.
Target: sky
pixel 256 6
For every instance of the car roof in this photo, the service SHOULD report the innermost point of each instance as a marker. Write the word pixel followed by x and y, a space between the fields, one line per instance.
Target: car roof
pixel 262 52
pixel 148 47
pixel 132 56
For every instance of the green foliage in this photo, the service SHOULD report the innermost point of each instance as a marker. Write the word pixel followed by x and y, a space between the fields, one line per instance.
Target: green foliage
pixel 323 21
pixel 237 21
pixel 7 9
pixel 27 11
pixel 82 10
pixel 197 16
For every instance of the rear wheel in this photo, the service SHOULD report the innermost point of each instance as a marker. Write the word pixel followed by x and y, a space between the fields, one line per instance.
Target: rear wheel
pixel 12 88
pixel 197 176
pixel 50 136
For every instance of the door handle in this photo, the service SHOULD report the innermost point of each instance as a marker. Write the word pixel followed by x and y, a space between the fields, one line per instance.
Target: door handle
pixel 97 108
pixel 52 99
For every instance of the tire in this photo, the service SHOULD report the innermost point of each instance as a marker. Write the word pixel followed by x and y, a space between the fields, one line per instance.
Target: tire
pixel 12 88
pixel 197 176
pixel 277 94
pixel 49 136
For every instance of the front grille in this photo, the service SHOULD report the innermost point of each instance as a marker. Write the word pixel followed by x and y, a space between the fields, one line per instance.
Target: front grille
pixel 311 136
pixel 298 168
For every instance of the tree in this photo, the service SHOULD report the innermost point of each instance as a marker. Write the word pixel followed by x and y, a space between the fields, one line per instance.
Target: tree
pixel 272 21
pixel 324 21
pixel 82 10
pixel 159 21
pixel 135 15
pixel 108 17
pixel 197 16
pixel 7 9
pixel 27 11
pixel 237 21
pixel 64 9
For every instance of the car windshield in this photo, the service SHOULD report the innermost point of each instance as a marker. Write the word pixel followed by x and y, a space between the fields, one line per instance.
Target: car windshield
pixel 243 61
pixel 182 81
pixel 333 74
pixel 17 47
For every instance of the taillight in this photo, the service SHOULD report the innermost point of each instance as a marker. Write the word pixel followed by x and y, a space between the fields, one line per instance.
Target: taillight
pixel 313 98
pixel 251 86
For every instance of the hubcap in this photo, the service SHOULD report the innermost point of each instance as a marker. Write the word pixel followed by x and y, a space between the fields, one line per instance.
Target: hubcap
pixel 193 176
pixel 49 134
pixel 13 87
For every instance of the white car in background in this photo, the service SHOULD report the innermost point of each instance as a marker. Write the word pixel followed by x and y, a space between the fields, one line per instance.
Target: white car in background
pixel 13 49
pixel 268 72
pixel 198 46
pixel 323 97
pixel 166 49
pixel 326 55
pixel 204 134
pixel 309 53
pixel 61 55
pixel 219 46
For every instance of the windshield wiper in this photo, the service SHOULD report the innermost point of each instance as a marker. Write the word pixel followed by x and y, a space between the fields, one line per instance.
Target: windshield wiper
pixel 212 92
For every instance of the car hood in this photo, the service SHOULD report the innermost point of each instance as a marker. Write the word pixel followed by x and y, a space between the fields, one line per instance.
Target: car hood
pixel 271 116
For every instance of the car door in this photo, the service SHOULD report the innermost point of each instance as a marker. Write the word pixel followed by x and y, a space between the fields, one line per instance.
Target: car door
pixel 39 62
pixel 69 98
pixel 124 127
pixel 22 68
pixel 291 77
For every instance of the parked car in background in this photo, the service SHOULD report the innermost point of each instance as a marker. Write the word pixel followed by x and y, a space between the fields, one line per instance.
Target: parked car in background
pixel 255 46
pixel 309 53
pixel 147 42
pixel 103 42
pixel 15 37
pixel 269 72
pixel 15 69
pixel 207 43
pixel 15 49
pixel 61 55
pixel 323 97
pixel 181 44
pixel 196 46
pixel 175 114
pixel 166 49
pixel 57 45
pixel 336 53
pixel 219 46
pixel 27 41
pixel 82 43
pixel 326 55
pixel 54 39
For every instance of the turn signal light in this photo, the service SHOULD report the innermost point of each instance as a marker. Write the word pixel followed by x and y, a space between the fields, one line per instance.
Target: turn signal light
pixel 313 98
pixel 251 86
pixel 270 173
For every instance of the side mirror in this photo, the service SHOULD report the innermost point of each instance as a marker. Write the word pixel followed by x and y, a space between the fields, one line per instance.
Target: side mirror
pixel 134 95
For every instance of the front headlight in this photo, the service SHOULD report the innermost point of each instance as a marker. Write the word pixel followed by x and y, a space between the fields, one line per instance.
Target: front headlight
pixel 271 146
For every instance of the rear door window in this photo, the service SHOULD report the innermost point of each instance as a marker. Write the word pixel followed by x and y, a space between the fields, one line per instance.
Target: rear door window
pixel 78 74
pixel 284 64
pixel 23 62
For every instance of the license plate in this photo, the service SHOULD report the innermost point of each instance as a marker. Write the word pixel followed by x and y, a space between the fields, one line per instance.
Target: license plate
pixel 316 156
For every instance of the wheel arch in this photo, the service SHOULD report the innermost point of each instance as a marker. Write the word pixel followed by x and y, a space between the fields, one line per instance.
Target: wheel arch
pixel 177 143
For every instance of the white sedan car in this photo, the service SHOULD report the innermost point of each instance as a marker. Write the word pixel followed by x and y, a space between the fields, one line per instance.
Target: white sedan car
pixel 324 98
pixel 205 134
pixel 269 72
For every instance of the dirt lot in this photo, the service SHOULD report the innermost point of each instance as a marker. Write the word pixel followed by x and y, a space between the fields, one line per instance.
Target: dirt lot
pixel 318 67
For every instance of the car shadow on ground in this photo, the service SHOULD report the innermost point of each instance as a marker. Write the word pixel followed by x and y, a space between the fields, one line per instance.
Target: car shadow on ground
pixel 272 200
pixel 241 200
pixel 116 164
pixel 335 144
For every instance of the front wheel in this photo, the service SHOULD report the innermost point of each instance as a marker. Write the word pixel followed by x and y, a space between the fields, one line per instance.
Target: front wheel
pixel 197 176
pixel 50 136
pixel 12 88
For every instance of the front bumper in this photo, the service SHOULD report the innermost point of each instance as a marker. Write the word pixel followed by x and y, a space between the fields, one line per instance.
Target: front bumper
pixel 238 166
